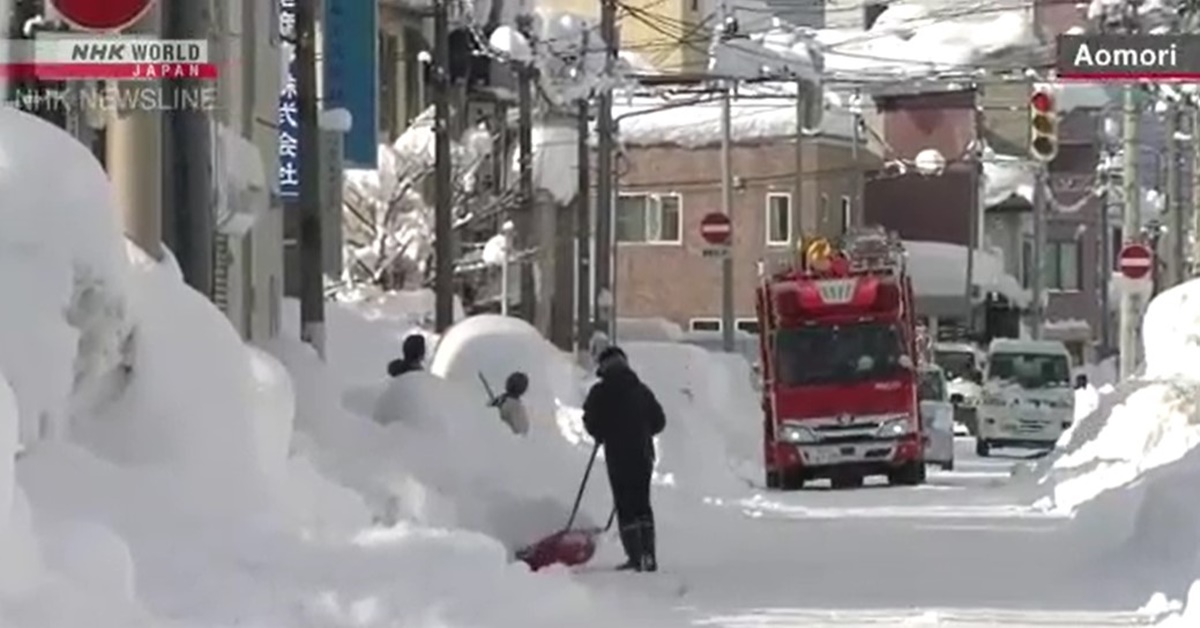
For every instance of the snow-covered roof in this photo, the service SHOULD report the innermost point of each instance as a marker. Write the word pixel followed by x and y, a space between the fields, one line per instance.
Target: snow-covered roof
pixel 643 121
pixel 780 51
pixel 912 40
pixel 938 269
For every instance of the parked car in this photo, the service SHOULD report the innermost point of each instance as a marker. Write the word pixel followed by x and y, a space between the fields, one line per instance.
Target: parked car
pixel 937 414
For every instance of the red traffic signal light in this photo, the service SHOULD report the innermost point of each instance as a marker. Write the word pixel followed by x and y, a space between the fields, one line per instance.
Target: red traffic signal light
pixel 1041 102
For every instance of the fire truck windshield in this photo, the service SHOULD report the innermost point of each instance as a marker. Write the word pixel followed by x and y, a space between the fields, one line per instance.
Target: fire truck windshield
pixel 837 354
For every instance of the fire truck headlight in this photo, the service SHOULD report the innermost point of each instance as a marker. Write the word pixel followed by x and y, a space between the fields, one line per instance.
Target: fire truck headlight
pixel 895 428
pixel 792 433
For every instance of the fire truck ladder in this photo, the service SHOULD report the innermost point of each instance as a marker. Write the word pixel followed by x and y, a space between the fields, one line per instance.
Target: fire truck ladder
pixel 873 249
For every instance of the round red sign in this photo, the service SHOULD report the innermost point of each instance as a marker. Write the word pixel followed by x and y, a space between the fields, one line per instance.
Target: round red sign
pixel 1136 261
pixel 101 15
pixel 716 229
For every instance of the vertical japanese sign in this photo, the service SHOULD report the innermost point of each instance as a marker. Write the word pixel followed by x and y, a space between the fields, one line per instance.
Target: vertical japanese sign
pixel 351 80
pixel 289 107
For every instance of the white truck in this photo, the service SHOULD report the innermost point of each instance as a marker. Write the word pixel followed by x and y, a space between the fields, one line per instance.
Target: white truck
pixel 1027 400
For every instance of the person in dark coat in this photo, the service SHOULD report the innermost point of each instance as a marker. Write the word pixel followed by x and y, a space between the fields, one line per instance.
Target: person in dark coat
pixel 623 414
pixel 414 356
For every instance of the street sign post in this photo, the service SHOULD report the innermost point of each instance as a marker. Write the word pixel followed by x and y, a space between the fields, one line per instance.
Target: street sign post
pixel 1136 261
pixel 101 15
pixel 717 231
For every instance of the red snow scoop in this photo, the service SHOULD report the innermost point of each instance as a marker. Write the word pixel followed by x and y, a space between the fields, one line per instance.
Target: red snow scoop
pixel 569 546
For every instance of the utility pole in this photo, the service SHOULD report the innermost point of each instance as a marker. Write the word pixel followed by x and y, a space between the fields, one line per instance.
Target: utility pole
pixel 312 267
pixel 795 214
pixel 134 161
pixel 188 209
pixel 583 232
pixel 1176 234
pixel 727 313
pixel 1195 115
pixel 1105 261
pixel 856 205
pixel 1038 281
pixel 1131 225
pixel 525 222
pixel 974 215
pixel 443 169
pixel 604 176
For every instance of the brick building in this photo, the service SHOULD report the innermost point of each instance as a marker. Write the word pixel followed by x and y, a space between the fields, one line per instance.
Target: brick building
pixel 670 177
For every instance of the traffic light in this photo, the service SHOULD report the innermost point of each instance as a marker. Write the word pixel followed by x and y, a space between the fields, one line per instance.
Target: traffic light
pixel 1043 126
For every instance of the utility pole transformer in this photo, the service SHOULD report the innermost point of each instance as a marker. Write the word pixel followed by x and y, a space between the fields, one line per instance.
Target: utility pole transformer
pixel 605 179
pixel 312 268
pixel 443 169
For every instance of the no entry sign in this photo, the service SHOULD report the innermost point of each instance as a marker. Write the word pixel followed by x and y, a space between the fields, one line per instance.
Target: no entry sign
pixel 101 15
pixel 716 229
pixel 1135 261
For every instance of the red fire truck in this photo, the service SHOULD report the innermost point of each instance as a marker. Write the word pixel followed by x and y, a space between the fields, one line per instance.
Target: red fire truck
pixel 838 347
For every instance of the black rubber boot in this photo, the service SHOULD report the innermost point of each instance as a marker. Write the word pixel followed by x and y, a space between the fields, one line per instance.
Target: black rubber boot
pixel 631 542
pixel 649 560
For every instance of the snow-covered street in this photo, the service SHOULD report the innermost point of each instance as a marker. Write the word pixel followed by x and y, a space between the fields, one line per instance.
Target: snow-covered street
pixel 962 550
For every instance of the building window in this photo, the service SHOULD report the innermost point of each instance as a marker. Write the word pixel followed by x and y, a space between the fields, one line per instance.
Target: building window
pixel 847 216
pixel 748 325
pixel 779 218
pixel 1062 266
pixel 649 218
pixel 695 5
pixel 704 324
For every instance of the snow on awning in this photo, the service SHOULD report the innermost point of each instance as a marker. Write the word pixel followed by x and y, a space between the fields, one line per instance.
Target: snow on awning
pixel 938 269
pixel 1006 177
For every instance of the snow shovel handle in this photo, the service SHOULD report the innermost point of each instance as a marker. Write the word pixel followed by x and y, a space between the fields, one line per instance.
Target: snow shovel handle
pixel 582 486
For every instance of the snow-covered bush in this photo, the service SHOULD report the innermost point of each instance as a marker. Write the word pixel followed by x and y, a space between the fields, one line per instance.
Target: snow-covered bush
pixel 388 217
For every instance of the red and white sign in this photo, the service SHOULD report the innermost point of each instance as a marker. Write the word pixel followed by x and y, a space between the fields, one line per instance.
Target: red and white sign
pixel 716 229
pixel 101 15
pixel 1135 261
pixel 110 58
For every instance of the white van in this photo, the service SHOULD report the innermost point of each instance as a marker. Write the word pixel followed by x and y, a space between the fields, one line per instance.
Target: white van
pixel 1027 397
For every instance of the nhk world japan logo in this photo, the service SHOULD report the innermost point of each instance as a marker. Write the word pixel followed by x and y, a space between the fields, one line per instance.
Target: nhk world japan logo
pixel 108 58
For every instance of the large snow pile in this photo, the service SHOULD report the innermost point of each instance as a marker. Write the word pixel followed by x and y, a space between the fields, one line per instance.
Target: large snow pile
pixel 713 441
pixel 61 269
pixel 1143 423
pixel 180 496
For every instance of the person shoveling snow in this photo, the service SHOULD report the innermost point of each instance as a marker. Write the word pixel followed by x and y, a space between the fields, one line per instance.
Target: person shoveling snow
pixel 623 414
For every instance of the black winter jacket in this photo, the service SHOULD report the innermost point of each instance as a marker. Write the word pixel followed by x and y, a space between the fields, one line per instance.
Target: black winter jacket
pixel 623 414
